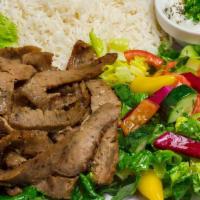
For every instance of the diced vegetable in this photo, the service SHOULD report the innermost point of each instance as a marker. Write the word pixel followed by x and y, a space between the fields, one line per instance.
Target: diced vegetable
pixel 180 100
pixel 197 105
pixel 189 51
pixel 152 84
pixel 150 186
pixel 150 58
pixel 8 32
pixel 118 44
pixel 161 94
pixel 139 116
pixel 98 44
pixel 194 80
pixel 179 144
pixel 169 66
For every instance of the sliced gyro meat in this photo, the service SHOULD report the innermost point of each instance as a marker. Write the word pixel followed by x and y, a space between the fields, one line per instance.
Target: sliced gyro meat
pixel 29 119
pixel 13 159
pixel 82 54
pixel 42 61
pixel 101 94
pixel 57 187
pixel 67 157
pixel 36 89
pixel 27 143
pixel 17 53
pixel 6 92
pixel 83 144
pixel 106 157
pixel 18 71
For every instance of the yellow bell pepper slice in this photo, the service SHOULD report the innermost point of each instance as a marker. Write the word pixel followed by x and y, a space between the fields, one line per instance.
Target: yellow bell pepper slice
pixel 152 84
pixel 150 186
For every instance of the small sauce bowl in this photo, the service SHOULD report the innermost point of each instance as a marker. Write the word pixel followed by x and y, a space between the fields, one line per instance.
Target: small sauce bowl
pixel 183 34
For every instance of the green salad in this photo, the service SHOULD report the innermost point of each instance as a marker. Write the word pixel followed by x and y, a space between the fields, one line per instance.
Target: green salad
pixel 159 127
pixel 148 162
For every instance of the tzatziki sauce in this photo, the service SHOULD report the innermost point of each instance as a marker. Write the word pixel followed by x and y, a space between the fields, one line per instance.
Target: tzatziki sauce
pixel 174 11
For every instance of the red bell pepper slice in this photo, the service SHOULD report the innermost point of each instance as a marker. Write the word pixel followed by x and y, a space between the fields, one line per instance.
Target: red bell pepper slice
pixel 178 144
pixel 151 59
pixel 139 116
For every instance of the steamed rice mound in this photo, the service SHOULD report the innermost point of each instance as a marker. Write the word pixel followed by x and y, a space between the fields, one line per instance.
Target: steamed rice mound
pixel 55 25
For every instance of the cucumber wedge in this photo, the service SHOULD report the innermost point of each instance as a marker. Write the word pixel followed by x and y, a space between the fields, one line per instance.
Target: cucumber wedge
pixel 181 100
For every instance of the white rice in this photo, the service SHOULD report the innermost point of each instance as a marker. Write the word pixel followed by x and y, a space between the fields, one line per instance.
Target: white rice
pixel 55 25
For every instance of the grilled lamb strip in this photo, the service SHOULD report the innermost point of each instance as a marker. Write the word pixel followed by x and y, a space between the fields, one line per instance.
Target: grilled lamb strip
pixel 101 94
pixel 6 92
pixel 36 89
pixel 68 157
pixel 106 157
pixel 18 71
pixel 29 119
pixel 57 187
pixel 17 53
pixel 42 61
pixel 82 54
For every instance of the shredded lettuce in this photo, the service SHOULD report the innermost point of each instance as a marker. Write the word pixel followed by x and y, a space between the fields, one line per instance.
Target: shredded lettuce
pixel 189 127
pixel 128 98
pixel 135 162
pixel 163 159
pixel 8 32
pixel 118 44
pixel 85 189
pixel 123 72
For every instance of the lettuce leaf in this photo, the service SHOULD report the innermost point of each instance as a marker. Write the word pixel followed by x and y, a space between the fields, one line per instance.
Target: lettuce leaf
pixel 8 32
pixel 29 192
pixel 123 72
pixel 135 162
pixel 189 127
pixel 85 189
pixel 128 98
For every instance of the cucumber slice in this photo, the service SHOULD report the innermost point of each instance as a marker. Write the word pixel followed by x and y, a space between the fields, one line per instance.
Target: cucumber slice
pixel 181 100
